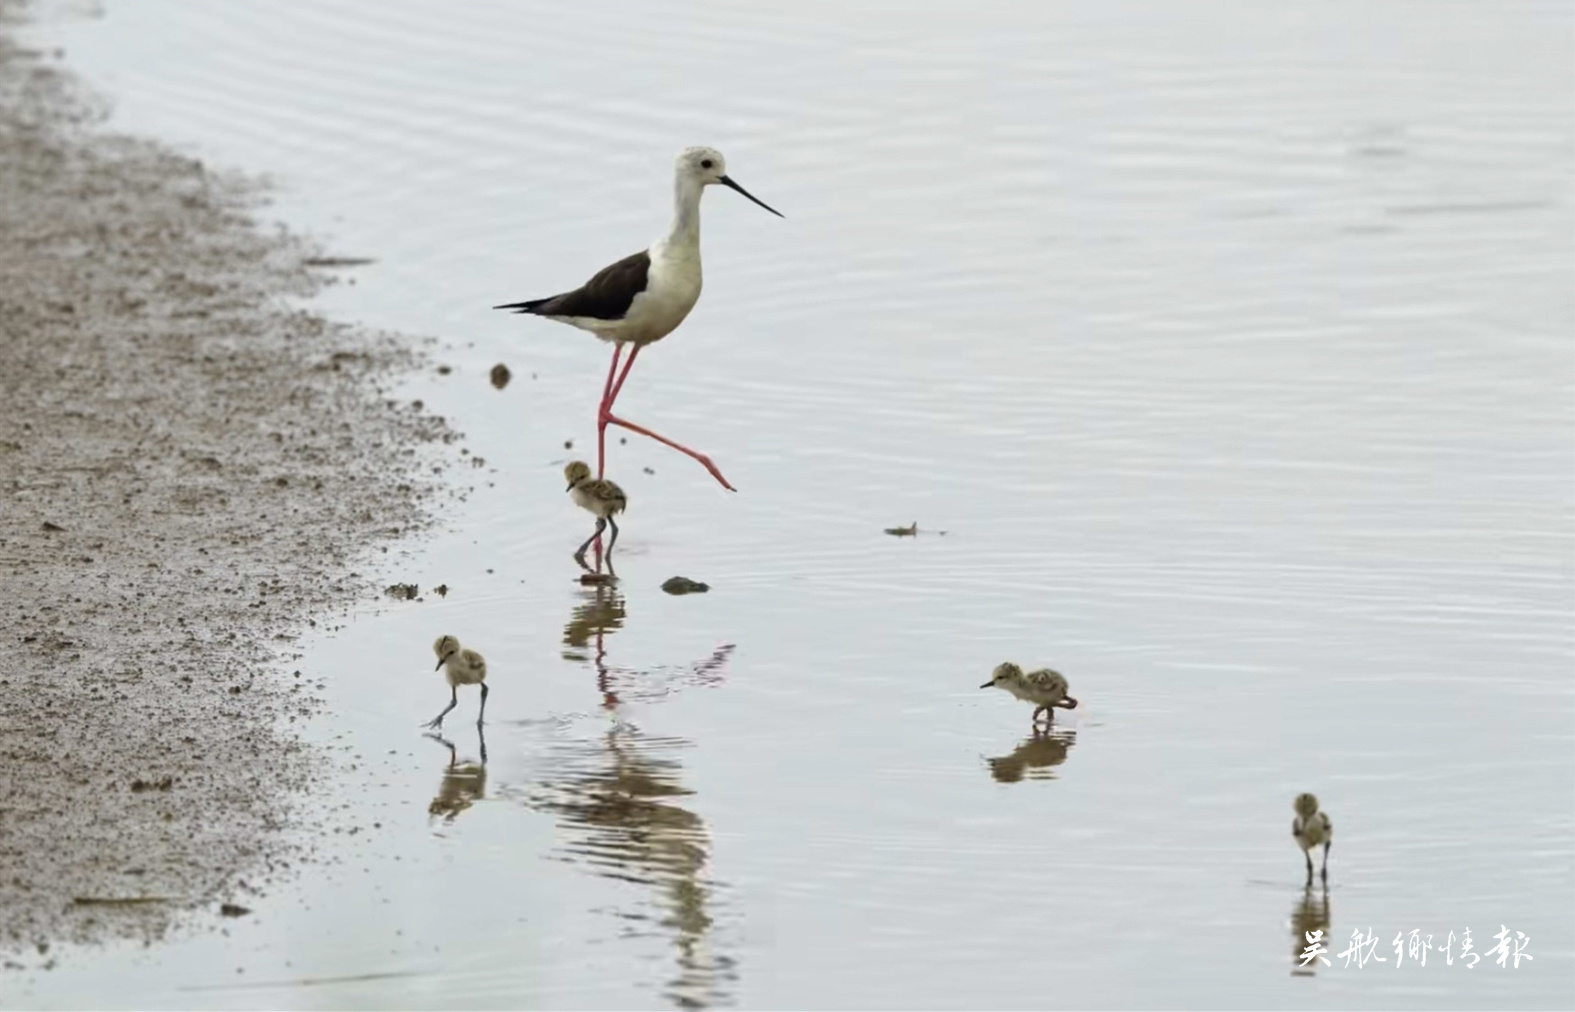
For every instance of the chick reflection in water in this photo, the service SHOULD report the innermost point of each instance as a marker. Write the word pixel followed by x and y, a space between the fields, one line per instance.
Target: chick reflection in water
pixel 1309 930
pixel 616 799
pixel 600 611
pixel 1035 757
pixel 464 783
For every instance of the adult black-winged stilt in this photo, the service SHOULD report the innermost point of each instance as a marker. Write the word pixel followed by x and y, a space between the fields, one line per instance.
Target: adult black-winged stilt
pixel 643 298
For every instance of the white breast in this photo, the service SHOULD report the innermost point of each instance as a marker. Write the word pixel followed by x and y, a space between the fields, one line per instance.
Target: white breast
pixel 671 290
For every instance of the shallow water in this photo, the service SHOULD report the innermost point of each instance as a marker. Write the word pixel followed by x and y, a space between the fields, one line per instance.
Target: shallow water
pixel 1229 347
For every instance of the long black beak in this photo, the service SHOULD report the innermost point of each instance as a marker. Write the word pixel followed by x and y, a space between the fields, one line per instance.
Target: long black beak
pixel 728 182
pixel 442 661
pixel 570 488
pixel 986 685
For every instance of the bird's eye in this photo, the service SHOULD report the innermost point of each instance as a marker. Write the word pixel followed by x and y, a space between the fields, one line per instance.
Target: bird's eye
pixel 705 163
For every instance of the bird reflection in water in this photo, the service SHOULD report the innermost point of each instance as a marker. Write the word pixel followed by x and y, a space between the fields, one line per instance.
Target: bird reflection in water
pixel 600 611
pixel 1035 757
pixel 1310 914
pixel 464 783
pixel 617 799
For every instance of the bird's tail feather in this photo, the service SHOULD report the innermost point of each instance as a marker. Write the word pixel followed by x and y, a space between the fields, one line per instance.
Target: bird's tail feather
pixel 528 306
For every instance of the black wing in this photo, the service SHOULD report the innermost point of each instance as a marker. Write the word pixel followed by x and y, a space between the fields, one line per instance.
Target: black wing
pixel 607 296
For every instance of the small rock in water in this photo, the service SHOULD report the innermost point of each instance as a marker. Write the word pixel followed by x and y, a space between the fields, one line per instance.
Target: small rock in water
pixel 568 444
pixel 441 590
pixel 233 910
pixel 647 470
pixel 904 532
pixel 501 375
pixel 594 579
pixel 444 370
pixel 403 591
pixel 684 585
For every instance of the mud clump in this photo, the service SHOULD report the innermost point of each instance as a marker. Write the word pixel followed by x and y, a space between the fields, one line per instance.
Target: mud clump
pixel 910 531
pixel 501 376
pixel 678 585
pixel 149 331
pixel 403 591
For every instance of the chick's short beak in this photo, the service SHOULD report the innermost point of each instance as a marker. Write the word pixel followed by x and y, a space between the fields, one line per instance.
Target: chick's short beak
pixel 986 685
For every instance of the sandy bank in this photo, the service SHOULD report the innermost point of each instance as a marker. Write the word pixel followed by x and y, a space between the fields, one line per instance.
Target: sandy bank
pixel 190 469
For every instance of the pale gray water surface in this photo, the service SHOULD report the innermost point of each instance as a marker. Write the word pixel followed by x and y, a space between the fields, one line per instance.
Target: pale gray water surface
pixel 1230 345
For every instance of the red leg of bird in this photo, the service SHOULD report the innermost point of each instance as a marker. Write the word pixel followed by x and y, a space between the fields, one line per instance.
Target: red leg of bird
pixel 608 418
pixel 601 433
pixel 616 387
pixel 702 458
pixel 601 411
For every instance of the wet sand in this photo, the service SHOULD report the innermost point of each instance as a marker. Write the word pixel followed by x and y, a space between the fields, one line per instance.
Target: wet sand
pixel 192 468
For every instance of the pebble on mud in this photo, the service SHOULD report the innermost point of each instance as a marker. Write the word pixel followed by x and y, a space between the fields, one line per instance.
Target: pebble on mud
pixel 441 590
pixel 444 370
pixel 501 375
pixel 684 585
pixel 403 591
pixel 233 910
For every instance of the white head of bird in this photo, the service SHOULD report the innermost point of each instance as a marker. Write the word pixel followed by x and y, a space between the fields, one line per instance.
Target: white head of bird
pixel 697 168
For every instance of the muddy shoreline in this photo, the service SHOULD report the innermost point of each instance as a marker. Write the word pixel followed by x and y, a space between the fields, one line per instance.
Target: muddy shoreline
pixel 193 469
